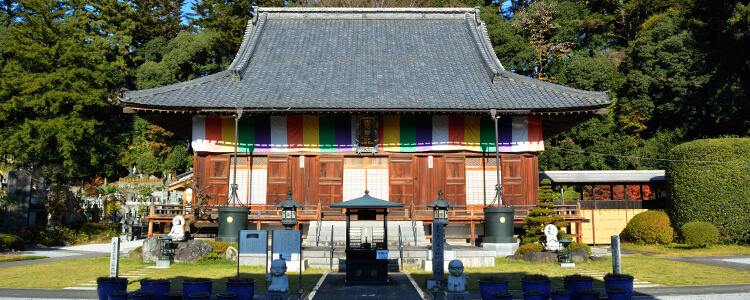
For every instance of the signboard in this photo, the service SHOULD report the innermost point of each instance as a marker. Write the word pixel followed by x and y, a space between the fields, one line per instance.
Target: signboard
pixel 381 254
pixel 114 257
pixel 367 135
pixel 438 243
pixel 253 241
pixel 286 242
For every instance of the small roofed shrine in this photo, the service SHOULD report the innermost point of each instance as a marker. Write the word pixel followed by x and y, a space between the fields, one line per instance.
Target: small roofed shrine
pixel 366 256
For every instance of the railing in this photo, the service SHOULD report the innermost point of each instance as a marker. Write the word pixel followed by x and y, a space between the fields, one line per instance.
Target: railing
pixel 316 212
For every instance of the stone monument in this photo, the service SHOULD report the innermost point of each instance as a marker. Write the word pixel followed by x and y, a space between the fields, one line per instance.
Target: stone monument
pixel 177 233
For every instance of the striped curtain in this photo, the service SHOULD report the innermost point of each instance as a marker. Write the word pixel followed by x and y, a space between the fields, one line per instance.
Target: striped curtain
pixel 329 134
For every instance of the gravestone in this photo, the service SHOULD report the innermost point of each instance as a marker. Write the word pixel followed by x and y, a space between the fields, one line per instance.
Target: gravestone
pixel 114 257
pixel 19 184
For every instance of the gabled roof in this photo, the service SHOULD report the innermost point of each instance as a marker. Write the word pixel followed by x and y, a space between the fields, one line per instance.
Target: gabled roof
pixel 324 60
pixel 366 201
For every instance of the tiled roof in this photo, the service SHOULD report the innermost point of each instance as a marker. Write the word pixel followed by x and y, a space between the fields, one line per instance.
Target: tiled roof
pixel 318 59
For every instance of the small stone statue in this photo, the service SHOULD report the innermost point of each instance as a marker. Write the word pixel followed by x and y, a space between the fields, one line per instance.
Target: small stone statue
pixel 177 233
pixel 279 280
pixel 456 279
pixel 551 244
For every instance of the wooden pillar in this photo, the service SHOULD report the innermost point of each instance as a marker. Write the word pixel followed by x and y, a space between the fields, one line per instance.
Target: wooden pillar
pixel 473 233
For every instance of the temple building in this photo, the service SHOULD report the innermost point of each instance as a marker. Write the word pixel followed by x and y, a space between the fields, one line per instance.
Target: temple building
pixel 402 102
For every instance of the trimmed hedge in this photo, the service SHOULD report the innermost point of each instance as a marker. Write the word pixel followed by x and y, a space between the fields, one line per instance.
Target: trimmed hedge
pixel 9 241
pixel 650 227
pixel 529 248
pixel 707 181
pixel 700 234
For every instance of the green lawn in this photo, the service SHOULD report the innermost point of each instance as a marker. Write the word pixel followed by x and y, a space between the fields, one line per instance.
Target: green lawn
pixel 57 275
pixel 682 250
pixel 652 269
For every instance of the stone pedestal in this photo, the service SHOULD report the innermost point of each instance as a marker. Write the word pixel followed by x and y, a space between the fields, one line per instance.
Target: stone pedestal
pixel 501 249
pixel 163 263
pixel 276 296
pixel 457 296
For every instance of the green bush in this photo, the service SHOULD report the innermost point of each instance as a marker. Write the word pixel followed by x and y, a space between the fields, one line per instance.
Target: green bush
pixel 93 229
pixel 707 181
pixel 700 234
pixel 529 248
pixel 541 216
pixel 650 227
pixel 575 245
pixel 9 241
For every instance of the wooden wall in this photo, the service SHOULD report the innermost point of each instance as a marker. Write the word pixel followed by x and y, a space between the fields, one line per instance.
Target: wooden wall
pixel 419 176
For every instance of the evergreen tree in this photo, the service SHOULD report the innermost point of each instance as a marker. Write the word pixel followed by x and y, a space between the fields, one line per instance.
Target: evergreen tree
pixel 56 109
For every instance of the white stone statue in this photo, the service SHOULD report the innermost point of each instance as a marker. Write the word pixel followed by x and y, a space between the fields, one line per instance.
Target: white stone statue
pixel 178 232
pixel 279 280
pixel 457 278
pixel 552 244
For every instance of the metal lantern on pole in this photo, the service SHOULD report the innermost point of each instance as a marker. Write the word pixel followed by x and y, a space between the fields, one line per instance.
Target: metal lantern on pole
pixel 288 212
pixel 167 250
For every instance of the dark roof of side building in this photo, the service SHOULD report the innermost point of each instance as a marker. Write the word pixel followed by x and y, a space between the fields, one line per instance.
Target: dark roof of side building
pixel 325 60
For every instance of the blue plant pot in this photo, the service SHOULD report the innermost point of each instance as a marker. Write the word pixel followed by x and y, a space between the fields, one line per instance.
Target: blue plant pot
pixel 200 296
pixel 617 295
pixel 103 289
pixel 575 286
pixel 195 287
pixel 487 288
pixel 158 288
pixel 173 296
pixel 143 296
pixel 544 286
pixel 227 295
pixel 590 296
pixel 508 296
pixel 117 296
pixel 243 290
pixel 625 283
pixel 560 296
pixel 533 296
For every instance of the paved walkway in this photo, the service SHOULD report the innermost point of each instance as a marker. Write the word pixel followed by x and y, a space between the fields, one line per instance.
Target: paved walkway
pixel 71 252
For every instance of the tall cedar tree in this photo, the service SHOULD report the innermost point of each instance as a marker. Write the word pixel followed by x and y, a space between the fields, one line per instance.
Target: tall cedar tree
pixel 55 101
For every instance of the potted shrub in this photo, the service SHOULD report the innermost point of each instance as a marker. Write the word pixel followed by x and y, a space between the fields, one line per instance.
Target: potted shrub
pixel 158 287
pixel 502 295
pixel 537 282
pixel 589 294
pixel 624 281
pixel 192 286
pixel 226 295
pixel 173 296
pixel 617 293
pixel 533 295
pixel 560 295
pixel 118 295
pixel 243 288
pixel 143 295
pixel 491 284
pixel 200 296
pixel 577 282
pixel 107 285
